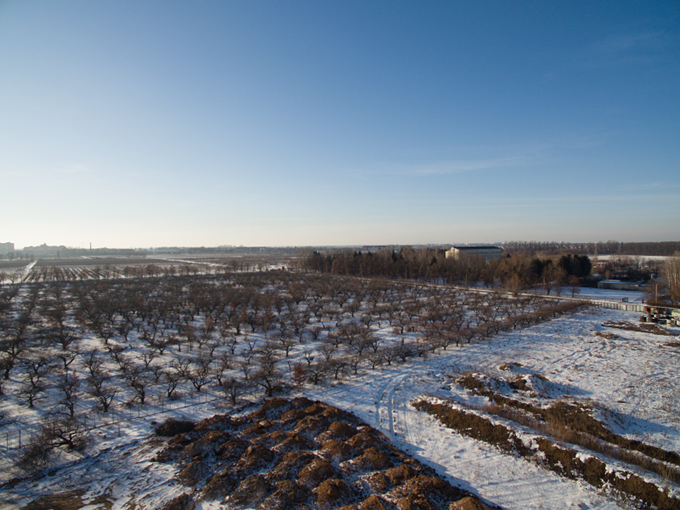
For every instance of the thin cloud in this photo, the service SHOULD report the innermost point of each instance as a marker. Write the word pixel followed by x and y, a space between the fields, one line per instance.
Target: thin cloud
pixel 461 166
pixel 626 49
pixel 72 169
pixel 623 50
pixel 628 42
pixel 653 186
pixel 533 153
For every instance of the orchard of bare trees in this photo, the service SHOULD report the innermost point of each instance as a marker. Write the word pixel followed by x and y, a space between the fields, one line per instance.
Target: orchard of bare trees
pixel 74 349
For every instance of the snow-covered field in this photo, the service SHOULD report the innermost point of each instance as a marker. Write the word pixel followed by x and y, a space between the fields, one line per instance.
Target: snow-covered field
pixel 632 376
pixel 607 294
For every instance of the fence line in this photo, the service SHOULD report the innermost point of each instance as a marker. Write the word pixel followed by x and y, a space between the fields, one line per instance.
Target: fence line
pixel 614 305
pixel 19 436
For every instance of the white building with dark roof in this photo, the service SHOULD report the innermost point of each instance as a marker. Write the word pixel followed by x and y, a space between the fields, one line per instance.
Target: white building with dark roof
pixel 487 252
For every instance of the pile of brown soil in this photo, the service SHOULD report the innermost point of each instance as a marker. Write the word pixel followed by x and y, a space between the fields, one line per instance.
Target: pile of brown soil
pixel 303 454
pixel 569 421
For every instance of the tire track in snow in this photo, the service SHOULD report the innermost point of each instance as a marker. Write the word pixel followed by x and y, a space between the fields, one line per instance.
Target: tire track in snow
pixel 384 405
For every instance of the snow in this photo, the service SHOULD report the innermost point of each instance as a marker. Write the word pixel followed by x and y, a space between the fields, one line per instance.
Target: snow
pixel 608 294
pixel 564 350
pixel 633 377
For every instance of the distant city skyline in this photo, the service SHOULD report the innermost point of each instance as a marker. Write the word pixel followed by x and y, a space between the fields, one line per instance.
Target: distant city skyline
pixel 148 124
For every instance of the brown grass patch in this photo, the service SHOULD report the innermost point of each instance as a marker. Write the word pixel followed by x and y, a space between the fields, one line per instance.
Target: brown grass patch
pixel 642 328
pixel 510 366
pixel 72 500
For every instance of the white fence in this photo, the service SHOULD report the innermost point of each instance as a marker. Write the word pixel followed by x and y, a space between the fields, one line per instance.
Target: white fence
pixel 614 305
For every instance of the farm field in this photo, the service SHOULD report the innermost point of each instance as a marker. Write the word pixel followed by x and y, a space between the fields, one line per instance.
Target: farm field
pixel 390 353
pixel 110 267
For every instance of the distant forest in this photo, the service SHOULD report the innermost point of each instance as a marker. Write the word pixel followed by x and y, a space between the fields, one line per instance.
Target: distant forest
pixel 514 272
pixel 666 248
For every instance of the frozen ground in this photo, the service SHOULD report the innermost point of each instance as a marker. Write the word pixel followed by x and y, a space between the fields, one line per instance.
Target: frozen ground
pixel 634 376
pixel 607 294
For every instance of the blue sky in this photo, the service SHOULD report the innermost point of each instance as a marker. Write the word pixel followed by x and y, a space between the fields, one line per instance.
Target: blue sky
pixel 205 123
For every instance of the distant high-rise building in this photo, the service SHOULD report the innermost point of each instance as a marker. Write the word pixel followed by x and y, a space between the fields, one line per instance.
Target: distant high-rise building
pixel 6 248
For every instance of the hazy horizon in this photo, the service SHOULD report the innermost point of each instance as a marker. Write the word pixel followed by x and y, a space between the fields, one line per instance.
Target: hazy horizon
pixel 332 246
pixel 139 124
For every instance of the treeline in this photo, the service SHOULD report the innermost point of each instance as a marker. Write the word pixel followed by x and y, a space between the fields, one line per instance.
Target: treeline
pixel 666 248
pixel 429 264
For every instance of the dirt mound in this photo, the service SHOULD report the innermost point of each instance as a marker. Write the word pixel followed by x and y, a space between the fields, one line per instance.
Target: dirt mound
pixel 316 472
pixel 301 454
pixel 469 503
pixel 287 494
pixel 370 503
pixel 291 464
pixel 334 493
pixel 173 427
pixel 512 366
pixel 293 442
pixel 337 451
pixel 426 492
pixel 250 491
pixel 337 430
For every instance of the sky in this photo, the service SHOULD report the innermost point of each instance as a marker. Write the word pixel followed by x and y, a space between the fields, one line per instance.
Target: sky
pixel 310 123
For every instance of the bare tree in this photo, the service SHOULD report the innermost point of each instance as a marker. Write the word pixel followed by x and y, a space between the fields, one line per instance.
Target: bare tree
pixel 671 272
pixel 317 371
pixel 233 388
pixel 54 433
pixel 147 357
pixel 246 365
pixel 13 342
pixel 327 350
pixel 34 378
pixel 67 358
pixel 285 342
pixel 69 386
pixel 267 374
pixel 199 374
pixel 337 366
pixel 182 367
pixel 137 381
pixel 98 381
pixel 224 363
pixel 172 379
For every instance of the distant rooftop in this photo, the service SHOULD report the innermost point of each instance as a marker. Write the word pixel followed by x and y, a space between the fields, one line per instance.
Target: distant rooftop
pixel 477 247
